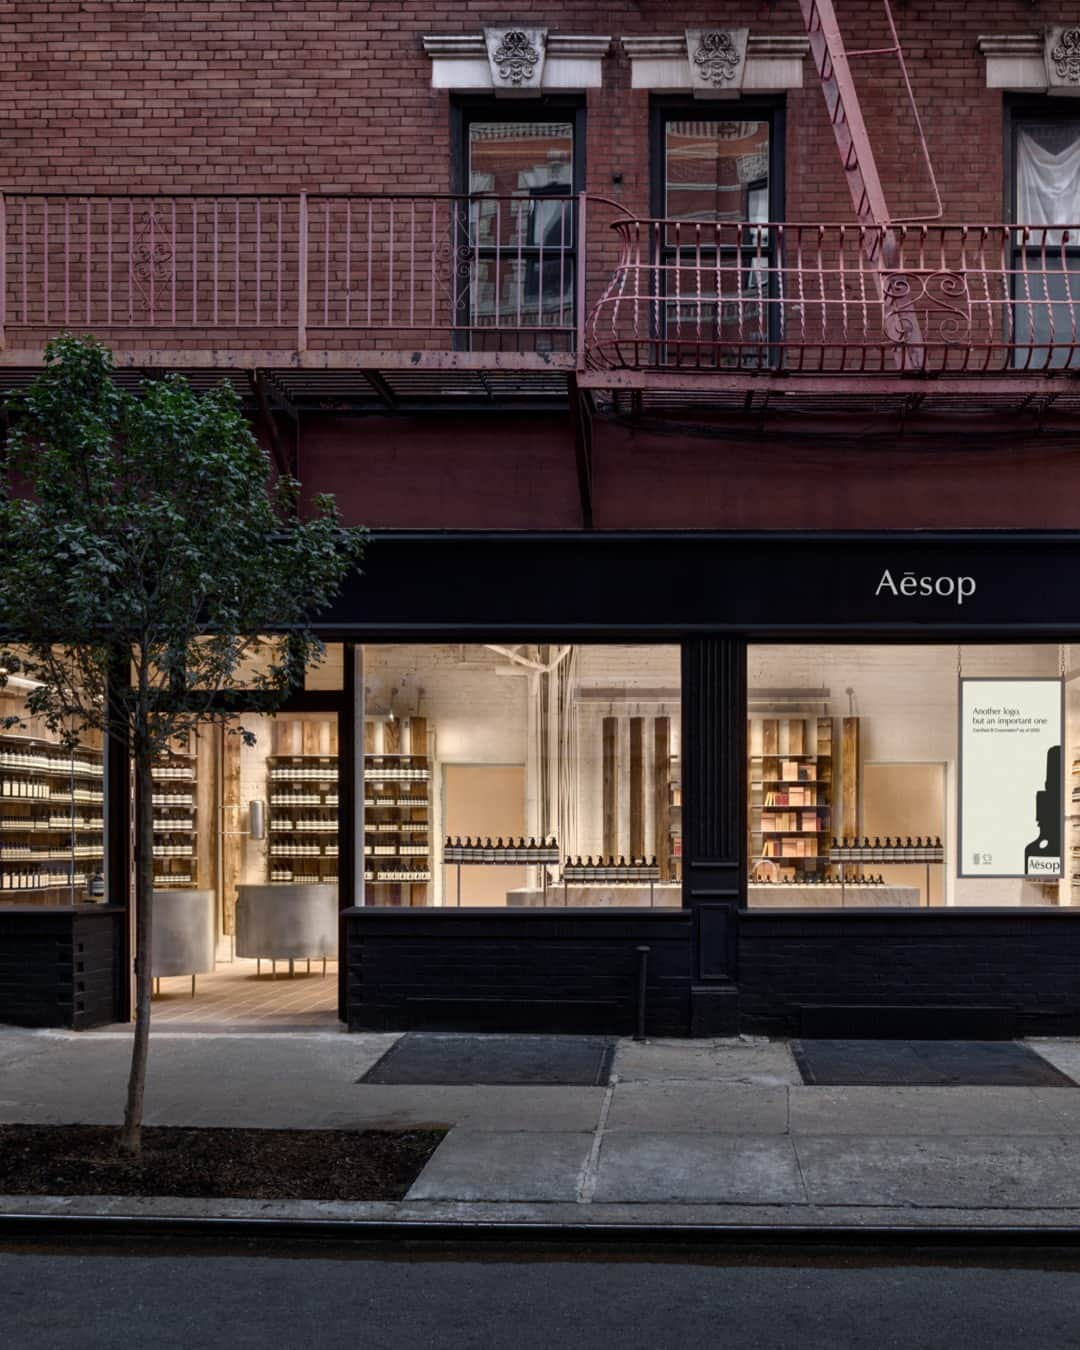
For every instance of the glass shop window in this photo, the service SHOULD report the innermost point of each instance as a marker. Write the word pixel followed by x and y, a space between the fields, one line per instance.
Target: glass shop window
pixel 522 775
pixel 52 805
pixel 913 776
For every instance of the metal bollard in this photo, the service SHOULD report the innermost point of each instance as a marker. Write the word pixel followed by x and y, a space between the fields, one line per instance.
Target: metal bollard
pixel 642 977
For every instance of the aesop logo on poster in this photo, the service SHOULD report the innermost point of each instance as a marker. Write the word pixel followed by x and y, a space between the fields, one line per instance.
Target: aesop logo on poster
pixel 908 584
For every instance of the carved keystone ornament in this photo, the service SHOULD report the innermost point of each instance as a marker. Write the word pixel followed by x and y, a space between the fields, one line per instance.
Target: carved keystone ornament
pixel 1062 54
pixel 717 59
pixel 516 56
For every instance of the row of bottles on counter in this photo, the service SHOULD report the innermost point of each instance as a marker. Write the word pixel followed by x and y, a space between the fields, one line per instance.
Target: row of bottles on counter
pixel 611 870
pixel 887 850
pixel 410 874
pixel 167 879
pixel 823 879
pixel 39 762
pixel 469 850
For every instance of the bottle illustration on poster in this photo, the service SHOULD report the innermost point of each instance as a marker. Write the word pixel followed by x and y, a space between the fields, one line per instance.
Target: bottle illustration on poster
pixel 1043 854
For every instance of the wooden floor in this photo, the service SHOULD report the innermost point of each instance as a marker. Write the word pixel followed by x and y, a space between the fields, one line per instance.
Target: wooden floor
pixel 236 995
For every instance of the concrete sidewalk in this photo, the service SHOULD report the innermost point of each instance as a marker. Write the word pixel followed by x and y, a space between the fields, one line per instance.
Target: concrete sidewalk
pixel 688 1132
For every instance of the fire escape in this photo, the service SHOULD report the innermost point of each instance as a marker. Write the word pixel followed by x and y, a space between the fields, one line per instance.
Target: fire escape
pixel 402 303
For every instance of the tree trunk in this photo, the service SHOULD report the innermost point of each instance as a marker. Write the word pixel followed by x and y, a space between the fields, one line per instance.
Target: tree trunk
pixel 131 1132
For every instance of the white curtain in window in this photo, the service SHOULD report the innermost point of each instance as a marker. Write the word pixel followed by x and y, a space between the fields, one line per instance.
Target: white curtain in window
pixel 1047 182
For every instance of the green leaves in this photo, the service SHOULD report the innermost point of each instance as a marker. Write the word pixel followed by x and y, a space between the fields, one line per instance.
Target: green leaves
pixel 145 531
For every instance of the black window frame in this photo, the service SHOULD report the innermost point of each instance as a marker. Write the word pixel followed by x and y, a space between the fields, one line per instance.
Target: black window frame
pixel 666 108
pixel 464 111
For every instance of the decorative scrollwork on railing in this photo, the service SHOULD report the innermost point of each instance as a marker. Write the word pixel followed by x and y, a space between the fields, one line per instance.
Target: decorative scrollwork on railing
pixel 938 301
pixel 452 259
pixel 151 253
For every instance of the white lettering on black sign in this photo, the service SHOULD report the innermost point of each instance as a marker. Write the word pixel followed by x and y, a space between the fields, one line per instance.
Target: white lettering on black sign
pixel 958 588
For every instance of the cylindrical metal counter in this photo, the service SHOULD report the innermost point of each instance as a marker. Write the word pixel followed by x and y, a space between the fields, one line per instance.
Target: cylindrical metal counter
pixel 183 934
pixel 285 922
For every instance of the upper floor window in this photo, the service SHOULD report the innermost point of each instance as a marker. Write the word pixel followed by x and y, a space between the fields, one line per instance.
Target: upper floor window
pixel 519 174
pixel 717 183
pixel 1047 170
pixel 1045 263
pixel 716 169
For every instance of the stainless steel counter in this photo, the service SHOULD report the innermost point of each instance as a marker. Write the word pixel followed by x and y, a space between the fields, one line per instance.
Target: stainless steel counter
pixel 183 933
pixel 831 897
pixel 286 922
pixel 598 896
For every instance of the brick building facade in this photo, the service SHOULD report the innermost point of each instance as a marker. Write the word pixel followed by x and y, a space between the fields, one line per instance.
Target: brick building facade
pixel 281 193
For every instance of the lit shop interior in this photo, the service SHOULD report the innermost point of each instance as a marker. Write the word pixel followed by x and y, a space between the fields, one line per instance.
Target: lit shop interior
pixel 551 775
pixel 865 791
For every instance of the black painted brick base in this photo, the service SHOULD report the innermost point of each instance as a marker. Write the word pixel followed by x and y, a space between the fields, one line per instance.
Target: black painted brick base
pixel 524 970
pixel 59 965
pixel 1020 967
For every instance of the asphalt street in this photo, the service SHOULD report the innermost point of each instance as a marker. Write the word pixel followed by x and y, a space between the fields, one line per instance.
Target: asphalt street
pixel 807 1300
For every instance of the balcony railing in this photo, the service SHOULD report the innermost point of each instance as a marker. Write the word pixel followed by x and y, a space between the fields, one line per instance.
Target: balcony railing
pixel 433 271
pixel 442 279
pixel 811 299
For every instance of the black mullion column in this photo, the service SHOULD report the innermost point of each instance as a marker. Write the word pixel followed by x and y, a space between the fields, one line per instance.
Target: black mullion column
pixel 350 839
pixel 714 821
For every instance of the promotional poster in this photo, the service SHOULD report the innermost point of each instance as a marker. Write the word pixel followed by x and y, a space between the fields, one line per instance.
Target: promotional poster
pixel 1010 795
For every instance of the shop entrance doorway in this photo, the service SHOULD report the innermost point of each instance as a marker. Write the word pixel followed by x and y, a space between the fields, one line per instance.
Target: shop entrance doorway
pixel 246 853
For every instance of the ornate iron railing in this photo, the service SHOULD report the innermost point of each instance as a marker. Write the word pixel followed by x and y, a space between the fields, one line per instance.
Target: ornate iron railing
pixel 440 274
pixel 434 269
pixel 706 296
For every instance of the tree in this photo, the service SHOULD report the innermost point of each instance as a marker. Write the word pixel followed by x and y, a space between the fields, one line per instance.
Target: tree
pixel 146 551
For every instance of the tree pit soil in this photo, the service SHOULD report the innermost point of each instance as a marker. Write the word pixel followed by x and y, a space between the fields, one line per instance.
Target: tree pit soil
pixel 215 1163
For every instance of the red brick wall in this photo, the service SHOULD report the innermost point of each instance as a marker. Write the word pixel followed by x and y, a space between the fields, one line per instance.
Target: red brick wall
pixel 335 95
pixel 279 95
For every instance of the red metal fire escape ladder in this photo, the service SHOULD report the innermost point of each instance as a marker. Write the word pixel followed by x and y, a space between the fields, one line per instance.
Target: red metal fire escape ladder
pixel 880 241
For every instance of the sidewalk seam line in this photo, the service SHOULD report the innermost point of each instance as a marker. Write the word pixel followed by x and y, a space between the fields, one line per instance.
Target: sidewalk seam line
pixel 591 1170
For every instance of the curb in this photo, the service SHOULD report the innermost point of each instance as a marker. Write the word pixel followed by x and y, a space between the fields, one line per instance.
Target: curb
pixel 119 1228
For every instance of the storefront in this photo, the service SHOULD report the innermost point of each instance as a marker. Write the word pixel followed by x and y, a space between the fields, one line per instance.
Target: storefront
pixel 792 783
